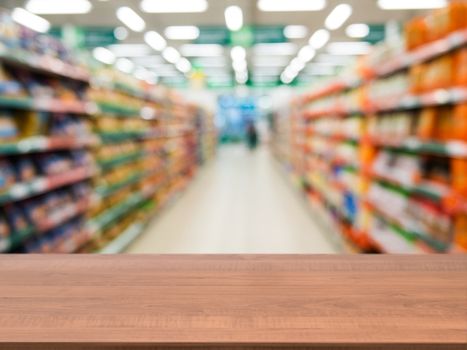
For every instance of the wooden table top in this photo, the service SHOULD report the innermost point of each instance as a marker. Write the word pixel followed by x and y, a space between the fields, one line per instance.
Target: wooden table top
pixel 233 301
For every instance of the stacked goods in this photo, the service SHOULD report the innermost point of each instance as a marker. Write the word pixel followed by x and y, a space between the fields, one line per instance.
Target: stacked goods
pixel 84 164
pixel 385 152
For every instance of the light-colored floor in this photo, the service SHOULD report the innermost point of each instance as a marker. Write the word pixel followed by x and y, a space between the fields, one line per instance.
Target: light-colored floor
pixel 240 203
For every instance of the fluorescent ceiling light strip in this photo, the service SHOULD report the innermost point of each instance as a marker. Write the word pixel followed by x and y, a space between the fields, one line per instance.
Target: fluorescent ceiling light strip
pixel 201 50
pixel 58 7
pixel 183 65
pixel 295 31
pixel 124 65
pixel 357 30
pixel 338 16
pixel 306 54
pixel 233 18
pixel 30 20
pixel 155 40
pixel 130 50
pixel 181 32
pixel 238 53
pixel 411 4
pixel 174 6
pixel 349 48
pixel 319 39
pixel 171 54
pixel 291 5
pixel 131 19
pixel 103 55
pixel 279 49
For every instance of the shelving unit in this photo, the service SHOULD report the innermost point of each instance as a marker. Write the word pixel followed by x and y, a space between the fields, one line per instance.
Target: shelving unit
pixel 86 162
pixel 383 151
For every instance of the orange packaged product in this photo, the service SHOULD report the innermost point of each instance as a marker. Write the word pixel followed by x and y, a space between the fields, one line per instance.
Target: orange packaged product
pixel 417 74
pixel 459 176
pixel 460 122
pixel 416 33
pixel 461 67
pixel 447 20
pixel 426 124
pixel 445 124
pixel 439 73
pixel 460 231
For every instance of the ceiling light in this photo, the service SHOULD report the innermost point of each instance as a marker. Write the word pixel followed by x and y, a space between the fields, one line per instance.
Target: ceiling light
pixel 130 50
pixel 238 53
pixel 295 32
pixel 171 54
pixel 155 40
pixel 241 78
pixel 319 39
pixel 103 55
pixel 141 73
pixel 121 33
pixel 290 5
pixel 306 53
pixel 174 6
pixel 181 32
pixel 125 65
pixel 276 49
pixel 239 66
pixel 349 48
pixel 183 65
pixel 338 16
pixel 201 50
pixel 131 19
pixel 411 4
pixel 297 64
pixel 58 7
pixel 30 20
pixel 357 30
pixel 233 18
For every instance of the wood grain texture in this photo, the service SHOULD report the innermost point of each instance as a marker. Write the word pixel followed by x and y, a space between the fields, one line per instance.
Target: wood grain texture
pixel 233 302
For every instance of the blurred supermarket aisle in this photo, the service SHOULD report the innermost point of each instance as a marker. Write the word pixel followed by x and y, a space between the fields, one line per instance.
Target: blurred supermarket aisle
pixel 238 204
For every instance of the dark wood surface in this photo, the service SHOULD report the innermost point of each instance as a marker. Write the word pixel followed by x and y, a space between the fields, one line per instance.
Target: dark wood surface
pixel 233 302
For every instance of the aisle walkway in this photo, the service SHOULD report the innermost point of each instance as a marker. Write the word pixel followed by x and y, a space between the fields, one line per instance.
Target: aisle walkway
pixel 238 204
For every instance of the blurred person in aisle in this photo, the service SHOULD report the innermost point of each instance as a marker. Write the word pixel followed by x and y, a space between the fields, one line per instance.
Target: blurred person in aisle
pixel 251 135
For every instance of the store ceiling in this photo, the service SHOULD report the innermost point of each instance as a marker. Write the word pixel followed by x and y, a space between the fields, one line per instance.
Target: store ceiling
pixel 103 14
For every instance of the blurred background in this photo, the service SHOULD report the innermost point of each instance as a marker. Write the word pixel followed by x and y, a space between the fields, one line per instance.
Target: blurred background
pixel 254 126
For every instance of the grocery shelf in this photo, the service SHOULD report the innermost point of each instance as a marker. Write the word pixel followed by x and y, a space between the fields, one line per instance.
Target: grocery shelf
pixel 120 160
pixel 119 244
pixel 436 193
pixel 422 54
pixel 65 214
pixel 44 184
pixel 47 105
pixel 105 191
pixel 401 227
pixel 118 109
pixel 399 62
pixel 43 64
pixel 37 144
pixel 114 213
pixel 46 224
pixel 455 149
pixel 437 97
pixel 119 136
pixel 15 239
